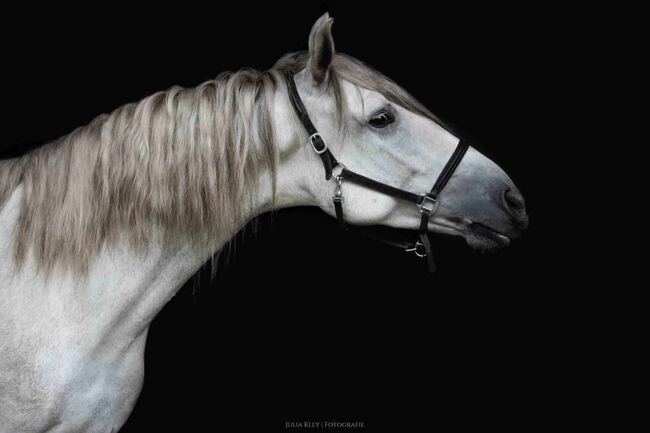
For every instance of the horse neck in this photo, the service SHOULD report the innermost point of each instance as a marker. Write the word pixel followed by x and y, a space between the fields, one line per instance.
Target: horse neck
pixel 113 303
pixel 123 289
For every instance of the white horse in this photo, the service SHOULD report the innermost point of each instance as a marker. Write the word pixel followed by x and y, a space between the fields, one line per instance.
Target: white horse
pixel 99 229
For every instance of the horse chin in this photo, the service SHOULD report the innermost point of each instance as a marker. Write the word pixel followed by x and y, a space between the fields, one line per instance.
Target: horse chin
pixel 484 238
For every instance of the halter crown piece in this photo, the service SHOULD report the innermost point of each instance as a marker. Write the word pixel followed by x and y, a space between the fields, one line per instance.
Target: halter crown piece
pixel 426 203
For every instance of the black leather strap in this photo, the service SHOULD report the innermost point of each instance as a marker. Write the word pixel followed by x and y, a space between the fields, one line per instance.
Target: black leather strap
pixel 433 196
pixel 450 167
pixel 381 187
pixel 426 243
pixel 316 140
pixel 400 238
pixel 338 207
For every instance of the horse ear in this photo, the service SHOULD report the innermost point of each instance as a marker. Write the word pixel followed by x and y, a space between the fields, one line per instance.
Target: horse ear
pixel 321 48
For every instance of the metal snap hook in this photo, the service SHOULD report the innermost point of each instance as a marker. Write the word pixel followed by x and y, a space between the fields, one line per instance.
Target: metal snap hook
pixel 338 194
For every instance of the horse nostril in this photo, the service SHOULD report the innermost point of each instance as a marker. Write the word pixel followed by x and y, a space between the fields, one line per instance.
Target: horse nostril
pixel 513 200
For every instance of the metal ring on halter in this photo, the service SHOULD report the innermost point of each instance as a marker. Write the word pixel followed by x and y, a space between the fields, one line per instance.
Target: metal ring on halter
pixel 415 249
pixel 338 164
pixel 311 140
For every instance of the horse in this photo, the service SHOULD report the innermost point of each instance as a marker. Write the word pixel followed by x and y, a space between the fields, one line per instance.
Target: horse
pixel 100 228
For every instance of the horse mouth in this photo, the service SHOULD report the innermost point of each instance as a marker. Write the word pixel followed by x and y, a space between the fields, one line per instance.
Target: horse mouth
pixel 486 237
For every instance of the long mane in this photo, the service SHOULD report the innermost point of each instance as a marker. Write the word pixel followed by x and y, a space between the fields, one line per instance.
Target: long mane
pixel 184 161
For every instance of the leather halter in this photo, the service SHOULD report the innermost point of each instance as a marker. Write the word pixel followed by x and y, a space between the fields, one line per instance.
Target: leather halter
pixel 427 203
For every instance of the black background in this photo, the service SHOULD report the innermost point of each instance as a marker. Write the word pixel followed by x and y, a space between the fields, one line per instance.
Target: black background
pixel 306 322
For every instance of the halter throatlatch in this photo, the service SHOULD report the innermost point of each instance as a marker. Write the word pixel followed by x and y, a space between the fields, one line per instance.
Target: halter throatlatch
pixel 427 203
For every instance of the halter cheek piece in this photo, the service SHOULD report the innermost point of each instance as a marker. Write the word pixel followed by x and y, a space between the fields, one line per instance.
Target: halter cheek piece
pixel 427 203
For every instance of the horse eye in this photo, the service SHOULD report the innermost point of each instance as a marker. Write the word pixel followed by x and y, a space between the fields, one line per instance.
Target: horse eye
pixel 381 119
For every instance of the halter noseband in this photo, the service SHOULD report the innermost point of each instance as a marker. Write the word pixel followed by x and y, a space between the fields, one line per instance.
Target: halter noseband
pixel 427 203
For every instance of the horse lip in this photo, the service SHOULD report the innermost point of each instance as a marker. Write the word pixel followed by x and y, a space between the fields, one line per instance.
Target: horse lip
pixel 489 233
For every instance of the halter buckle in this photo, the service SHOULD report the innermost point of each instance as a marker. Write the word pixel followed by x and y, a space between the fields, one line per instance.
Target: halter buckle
pixel 429 204
pixel 418 249
pixel 317 137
